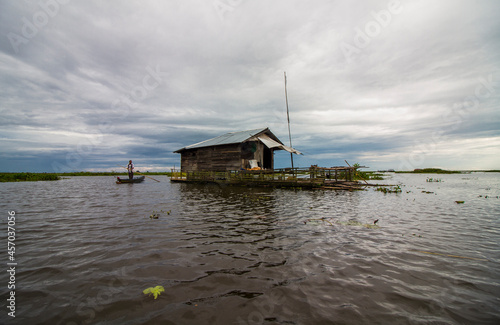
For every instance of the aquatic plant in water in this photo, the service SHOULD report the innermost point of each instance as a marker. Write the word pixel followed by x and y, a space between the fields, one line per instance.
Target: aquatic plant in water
pixel 154 291
pixel 344 223
pixel 358 224
pixel 396 189
pixel 156 214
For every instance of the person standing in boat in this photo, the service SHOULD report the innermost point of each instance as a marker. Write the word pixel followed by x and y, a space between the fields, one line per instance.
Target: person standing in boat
pixel 130 168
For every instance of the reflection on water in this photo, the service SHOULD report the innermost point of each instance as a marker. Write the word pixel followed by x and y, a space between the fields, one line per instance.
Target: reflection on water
pixel 86 249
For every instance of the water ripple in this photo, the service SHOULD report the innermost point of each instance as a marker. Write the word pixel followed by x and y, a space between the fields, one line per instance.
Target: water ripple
pixel 86 249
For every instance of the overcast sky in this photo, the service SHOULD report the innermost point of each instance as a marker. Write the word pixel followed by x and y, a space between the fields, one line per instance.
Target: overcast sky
pixel 87 85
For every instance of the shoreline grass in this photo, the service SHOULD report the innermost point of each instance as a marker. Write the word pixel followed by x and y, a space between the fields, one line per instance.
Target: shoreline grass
pixel 112 173
pixel 28 177
pixel 430 171
pixel 36 177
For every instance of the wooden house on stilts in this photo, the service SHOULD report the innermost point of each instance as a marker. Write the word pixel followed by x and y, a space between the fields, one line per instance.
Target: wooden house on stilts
pixel 246 158
pixel 233 151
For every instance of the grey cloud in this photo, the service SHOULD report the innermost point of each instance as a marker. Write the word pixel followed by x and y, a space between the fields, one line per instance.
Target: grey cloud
pixel 85 74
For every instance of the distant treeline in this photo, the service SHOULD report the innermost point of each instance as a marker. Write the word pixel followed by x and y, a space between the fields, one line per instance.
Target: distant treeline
pixel 111 173
pixel 443 171
pixel 28 177
pixel 35 177
pixel 92 174
pixel 431 171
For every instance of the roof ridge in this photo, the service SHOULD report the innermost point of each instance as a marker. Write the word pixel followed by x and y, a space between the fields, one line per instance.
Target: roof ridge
pixel 226 138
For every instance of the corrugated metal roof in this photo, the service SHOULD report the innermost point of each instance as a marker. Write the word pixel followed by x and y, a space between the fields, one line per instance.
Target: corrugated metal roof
pixel 228 138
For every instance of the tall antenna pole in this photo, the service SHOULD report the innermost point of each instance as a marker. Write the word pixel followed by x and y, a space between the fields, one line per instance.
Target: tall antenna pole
pixel 288 118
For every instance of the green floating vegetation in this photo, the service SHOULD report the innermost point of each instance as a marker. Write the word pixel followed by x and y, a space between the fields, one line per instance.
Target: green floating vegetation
pixel 431 171
pixel 154 291
pixel 376 177
pixel 433 180
pixel 28 177
pixel 359 175
pixel 358 224
pixel 414 235
pixel 343 223
pixel 156 214
pixel 394 189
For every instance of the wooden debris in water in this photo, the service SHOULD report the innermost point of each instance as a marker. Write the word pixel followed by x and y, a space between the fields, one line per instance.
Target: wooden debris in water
pixel 345 223
pixel 449 255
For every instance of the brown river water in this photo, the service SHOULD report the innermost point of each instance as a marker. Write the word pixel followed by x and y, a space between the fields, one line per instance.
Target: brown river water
pixel 86 248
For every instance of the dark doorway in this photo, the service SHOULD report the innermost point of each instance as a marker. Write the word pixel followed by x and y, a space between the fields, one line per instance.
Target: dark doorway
pixel 268 158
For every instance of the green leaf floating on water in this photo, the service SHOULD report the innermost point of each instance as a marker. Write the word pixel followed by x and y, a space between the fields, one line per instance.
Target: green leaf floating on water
pixel 154 291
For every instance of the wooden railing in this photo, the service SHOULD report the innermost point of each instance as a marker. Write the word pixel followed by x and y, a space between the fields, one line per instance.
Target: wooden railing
pixel 312 175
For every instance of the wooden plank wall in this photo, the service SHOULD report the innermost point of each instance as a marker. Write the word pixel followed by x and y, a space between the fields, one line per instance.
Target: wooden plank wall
pixel 218 158
pixel 225 157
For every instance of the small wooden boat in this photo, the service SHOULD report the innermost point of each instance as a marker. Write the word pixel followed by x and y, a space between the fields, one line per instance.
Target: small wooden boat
pixel 127 180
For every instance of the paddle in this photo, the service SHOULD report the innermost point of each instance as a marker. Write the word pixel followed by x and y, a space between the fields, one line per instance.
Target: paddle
pixel 140 174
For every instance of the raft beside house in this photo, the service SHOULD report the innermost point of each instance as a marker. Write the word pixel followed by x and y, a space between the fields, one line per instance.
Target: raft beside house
pixel 312 177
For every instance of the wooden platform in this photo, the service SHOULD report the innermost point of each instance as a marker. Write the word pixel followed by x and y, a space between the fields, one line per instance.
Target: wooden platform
pixel 312 177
